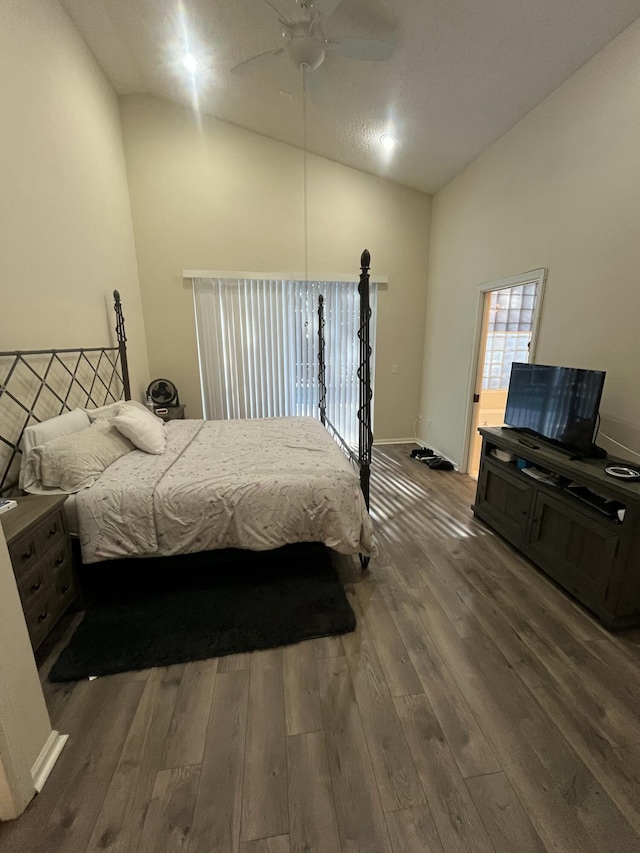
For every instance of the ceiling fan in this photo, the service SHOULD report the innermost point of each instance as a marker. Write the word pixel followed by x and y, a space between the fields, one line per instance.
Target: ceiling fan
pixel 306 44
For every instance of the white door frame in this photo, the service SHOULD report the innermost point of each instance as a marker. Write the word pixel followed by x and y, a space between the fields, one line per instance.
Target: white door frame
pixel 539 277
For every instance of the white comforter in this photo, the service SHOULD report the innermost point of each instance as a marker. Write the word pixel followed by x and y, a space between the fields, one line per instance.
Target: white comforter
pixel 255 484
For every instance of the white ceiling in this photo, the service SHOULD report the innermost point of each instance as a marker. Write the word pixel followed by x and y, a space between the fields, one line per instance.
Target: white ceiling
pixel 463 72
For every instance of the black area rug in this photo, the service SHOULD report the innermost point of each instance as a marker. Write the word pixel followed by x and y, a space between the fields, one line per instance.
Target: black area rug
pixel 161 611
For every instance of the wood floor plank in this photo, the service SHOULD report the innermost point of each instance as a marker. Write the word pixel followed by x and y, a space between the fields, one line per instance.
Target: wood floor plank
pixel 468 743
pixel 394 659
pixel 609 718
pixel 98 719
pixel 185 739
pixel 275 844
pixel 413 831
pixel 503 815
pixel 167 824
pixel 327 647
pixel 396 776
pixel 312 814
pixel 477 592
pixel 572 778
pixel 233 663
pixel 265 810
pixel 359 814
pixel 119 825
pixel 218 806
pixel 614 769
pixel 553 818
pixel 301 701
pixel 612 669
pixel 456 817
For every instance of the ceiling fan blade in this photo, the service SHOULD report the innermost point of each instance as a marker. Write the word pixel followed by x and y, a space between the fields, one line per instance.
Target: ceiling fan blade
pixel 357 48
pixel 281 17
pixel 256 63
pixel 327 7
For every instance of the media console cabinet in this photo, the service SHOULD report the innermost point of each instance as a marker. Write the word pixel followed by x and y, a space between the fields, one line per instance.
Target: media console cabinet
pixel 593 555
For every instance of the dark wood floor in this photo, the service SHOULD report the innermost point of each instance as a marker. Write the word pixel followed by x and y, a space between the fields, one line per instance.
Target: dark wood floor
pixel 475 708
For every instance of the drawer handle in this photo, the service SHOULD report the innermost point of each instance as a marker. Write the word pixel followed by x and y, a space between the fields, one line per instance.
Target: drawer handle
pixel 28 554
pixel 42 616
pixel 36 587
pixel 60 560
pixel 53 530
pixel 65 588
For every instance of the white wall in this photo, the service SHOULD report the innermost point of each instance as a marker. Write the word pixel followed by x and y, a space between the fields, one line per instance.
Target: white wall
pixel 560 190
pixel 209 195
pixel 65 217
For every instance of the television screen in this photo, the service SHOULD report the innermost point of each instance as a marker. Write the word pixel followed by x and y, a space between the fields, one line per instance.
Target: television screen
pixel 558 403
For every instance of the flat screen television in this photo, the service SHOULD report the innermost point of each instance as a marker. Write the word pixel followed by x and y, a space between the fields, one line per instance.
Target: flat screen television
pixel 557 403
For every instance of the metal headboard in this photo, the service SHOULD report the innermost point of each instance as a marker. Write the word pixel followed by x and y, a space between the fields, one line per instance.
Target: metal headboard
pixel 36 385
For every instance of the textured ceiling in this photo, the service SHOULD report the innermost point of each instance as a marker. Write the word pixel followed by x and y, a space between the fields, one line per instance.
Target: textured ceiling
pixel 463 71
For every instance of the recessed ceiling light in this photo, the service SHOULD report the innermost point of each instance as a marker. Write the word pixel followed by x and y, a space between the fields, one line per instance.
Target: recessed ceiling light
pixel 388 141
pixel 190 63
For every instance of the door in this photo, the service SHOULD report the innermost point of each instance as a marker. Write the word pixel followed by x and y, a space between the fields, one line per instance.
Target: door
pixel 507 326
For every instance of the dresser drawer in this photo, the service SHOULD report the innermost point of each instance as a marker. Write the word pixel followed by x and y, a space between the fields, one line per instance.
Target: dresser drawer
pixel 24 554
pixel 62 587
pixel 26 550
pixel 53 571
pixel 51 534
pixel 40 553
pixel 34 586
pixel 40 616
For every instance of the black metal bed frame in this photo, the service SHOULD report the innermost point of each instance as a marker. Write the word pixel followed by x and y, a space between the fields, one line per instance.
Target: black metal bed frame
pixel 106 379
pixel 40 384
pixel 362 459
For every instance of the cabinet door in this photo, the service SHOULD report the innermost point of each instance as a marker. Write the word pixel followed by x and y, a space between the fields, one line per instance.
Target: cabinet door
pixel 575 548
pixel 505 499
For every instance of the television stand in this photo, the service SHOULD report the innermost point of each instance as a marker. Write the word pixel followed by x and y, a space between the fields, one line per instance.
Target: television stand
pixel 580 526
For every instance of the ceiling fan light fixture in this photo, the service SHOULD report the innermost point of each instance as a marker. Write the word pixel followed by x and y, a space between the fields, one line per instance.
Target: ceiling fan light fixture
pixel 306 51
pixel 388 141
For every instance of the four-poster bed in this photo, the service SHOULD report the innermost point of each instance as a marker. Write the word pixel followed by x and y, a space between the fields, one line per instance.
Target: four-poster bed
pixel 204 491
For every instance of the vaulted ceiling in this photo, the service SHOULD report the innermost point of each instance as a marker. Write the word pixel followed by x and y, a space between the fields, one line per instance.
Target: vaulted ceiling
pixel 462 72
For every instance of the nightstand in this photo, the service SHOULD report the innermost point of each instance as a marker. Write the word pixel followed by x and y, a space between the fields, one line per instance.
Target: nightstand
pixel 40 551
pixel 173 413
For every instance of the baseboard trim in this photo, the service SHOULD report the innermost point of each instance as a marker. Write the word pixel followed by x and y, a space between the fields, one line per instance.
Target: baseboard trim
pixel 381 441
pixel 47 758
pixel 418 442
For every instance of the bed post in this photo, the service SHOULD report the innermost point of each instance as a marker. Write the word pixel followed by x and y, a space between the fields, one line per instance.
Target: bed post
pixel 122 344
pixel 321 363
pixel 365 434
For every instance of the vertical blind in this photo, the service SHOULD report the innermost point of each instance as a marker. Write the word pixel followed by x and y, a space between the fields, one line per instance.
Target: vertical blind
pixel 258 348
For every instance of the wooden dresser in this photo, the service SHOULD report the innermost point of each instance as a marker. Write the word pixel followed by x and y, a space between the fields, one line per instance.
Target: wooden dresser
pixel 40 552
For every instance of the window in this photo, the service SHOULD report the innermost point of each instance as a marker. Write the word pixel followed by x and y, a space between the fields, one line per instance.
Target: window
pixel 258 348
pixel 508 333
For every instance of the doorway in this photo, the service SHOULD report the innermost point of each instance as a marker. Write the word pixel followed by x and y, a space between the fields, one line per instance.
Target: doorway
pixel 508 316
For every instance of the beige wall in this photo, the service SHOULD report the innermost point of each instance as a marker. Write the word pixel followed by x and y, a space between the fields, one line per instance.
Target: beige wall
pixel 210 195
pixel 67 238
pixel 24 721
pixel 560 190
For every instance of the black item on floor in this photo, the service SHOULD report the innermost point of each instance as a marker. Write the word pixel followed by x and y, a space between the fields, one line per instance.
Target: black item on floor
pixel 162 611
pixel 439 464
pixel 419 451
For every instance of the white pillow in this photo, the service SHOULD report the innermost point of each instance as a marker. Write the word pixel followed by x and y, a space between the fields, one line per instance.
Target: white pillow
pixel 142 428
pixel 37 434
pixel 112 409
pixel 74 462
